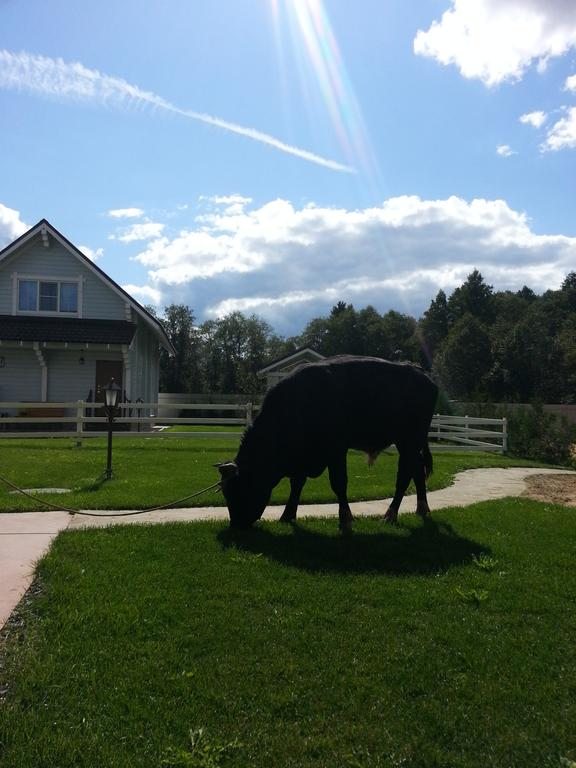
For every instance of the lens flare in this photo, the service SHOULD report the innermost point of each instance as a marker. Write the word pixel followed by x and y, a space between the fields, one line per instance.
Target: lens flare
pixel 305 38
pixel 321 66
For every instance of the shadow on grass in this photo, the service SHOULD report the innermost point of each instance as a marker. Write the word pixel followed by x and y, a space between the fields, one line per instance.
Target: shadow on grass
pixel 430 547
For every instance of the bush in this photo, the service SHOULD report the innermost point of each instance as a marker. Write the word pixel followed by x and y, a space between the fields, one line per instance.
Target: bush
pixel 535 434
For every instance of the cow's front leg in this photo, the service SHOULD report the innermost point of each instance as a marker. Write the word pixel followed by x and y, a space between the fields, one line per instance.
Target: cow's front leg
pixel 338 474
pixel 296 485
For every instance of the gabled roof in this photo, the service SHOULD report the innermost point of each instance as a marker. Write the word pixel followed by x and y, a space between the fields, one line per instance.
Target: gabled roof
pixel 45 229
pixel 65 329
pixel 303 354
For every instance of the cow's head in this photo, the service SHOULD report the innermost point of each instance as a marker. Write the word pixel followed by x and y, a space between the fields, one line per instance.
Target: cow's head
pixel 246 496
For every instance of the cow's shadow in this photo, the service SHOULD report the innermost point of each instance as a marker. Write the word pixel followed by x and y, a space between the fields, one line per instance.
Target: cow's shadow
pixel 429 547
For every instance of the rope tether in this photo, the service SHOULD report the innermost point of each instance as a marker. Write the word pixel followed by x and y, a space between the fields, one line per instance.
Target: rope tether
pixel 99 514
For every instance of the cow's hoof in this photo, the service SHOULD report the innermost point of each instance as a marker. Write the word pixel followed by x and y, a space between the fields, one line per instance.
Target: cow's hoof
pixel 290 518
pixel 346 530
pixel 423 510
pixel 391 517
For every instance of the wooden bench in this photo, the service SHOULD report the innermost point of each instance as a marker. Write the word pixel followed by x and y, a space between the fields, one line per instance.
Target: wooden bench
pixel 42 413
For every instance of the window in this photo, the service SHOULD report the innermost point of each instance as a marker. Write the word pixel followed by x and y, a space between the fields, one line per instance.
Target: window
pixel 68 297
pixel 47 296
pixel 27 290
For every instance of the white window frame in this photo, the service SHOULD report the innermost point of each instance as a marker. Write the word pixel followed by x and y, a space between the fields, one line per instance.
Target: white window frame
pixel 45 279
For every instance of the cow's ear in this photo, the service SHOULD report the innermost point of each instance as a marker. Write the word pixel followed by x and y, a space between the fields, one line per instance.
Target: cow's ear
pixel 228 469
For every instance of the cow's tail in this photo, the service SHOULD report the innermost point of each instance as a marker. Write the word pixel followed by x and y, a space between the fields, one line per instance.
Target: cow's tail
pixel 428 461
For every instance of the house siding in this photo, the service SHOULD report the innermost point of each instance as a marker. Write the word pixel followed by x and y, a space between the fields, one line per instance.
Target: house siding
pixel 98 300
pixel 6 291
pixel 68 380
pixel 143 365
pixel 21 378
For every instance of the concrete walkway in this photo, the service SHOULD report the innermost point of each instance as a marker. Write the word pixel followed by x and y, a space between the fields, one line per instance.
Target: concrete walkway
pixel 26 536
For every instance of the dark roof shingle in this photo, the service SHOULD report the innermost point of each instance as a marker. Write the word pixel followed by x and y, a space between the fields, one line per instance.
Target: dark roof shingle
pixel 66 329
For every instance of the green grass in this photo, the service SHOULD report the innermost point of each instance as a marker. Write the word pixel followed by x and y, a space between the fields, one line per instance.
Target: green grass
pixel 154 471
pixel 204 428
pixel 440 644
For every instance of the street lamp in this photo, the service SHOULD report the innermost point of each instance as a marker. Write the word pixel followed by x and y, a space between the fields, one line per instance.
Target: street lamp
pixel 111 392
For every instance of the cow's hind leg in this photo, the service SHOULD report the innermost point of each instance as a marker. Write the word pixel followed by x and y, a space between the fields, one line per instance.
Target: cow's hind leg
pixel 404 474
pixel 412 463
pixel 338 474
pixel 422 467
pixel 296 485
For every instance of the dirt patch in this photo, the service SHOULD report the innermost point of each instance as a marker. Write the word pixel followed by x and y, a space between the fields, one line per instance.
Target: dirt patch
pixel 558 489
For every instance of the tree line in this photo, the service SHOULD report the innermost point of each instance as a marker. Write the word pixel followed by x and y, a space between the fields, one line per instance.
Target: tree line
pixel 479 344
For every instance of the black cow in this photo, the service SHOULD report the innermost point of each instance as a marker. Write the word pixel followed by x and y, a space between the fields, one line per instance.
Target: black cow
pixel 310 419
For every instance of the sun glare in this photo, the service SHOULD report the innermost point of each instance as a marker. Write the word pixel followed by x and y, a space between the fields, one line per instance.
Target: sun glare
pixel 322 70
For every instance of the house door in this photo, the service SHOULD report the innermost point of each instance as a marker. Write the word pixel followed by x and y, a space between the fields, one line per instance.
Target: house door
pixel 106 370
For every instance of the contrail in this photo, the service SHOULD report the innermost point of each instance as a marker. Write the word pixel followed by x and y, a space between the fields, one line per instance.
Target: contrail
pixel 63 80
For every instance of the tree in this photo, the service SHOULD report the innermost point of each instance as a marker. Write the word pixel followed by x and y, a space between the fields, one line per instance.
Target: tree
pixel 527 294
pixel 235 348
pixel 465 359
pixel 433 328
pixel 337 334
pixel 567 349
pixel 528 358
pixel 343 335
pixel 180 372
pixel 373 332
pixel 473 297
pixel 399 331
pixel 568 290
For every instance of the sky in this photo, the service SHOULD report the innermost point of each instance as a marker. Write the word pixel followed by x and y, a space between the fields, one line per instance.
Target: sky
pixel 278 156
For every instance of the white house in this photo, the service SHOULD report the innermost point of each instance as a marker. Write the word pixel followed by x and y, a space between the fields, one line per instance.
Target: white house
pixel 66 328
pixel 279 369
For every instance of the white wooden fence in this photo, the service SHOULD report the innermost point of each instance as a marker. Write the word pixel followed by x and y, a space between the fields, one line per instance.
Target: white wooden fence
pixel 84 420
pixel 468 433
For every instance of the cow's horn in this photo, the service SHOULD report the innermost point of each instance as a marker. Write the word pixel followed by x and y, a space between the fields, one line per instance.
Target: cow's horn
pixel 227 469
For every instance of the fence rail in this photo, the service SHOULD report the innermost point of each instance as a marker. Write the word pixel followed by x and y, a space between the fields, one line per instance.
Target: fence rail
pixel 447 433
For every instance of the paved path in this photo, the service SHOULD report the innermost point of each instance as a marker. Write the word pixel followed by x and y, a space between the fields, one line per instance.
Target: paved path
pixel 26 536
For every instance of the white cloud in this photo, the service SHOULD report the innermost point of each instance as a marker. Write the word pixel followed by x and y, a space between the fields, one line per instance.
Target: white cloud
pixel 92 253
pixel 62 80
pixel 233 204
pixel 504 150
pixel 570 84
pixel 535 119
pixel 145 231
pixel 562 135
pixel 144 294
pixel 11 225
pixel 498 40
pixel 126 213
pixel 290 264
pixel 227 199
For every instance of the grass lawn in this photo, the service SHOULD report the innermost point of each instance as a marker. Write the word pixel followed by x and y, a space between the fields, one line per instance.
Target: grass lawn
pixel 154 471
pixel 440 644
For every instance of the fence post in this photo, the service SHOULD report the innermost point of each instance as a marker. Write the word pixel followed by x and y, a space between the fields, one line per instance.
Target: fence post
pixel 438 431
pixel 79 421
pixel 249 408
pixel 466 427
pixel 504 435
pixel 139 413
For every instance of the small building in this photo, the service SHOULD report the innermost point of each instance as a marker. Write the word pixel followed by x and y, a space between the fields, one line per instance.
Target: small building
pixel 278 369
pixel 66 328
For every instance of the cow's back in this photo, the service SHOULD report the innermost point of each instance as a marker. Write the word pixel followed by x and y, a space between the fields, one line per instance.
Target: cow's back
pixel 356 402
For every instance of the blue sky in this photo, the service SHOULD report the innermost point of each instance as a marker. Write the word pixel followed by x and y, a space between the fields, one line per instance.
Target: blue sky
pixel 277 156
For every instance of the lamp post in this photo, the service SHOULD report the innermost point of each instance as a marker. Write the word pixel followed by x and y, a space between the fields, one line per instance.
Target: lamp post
pixel 111 392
